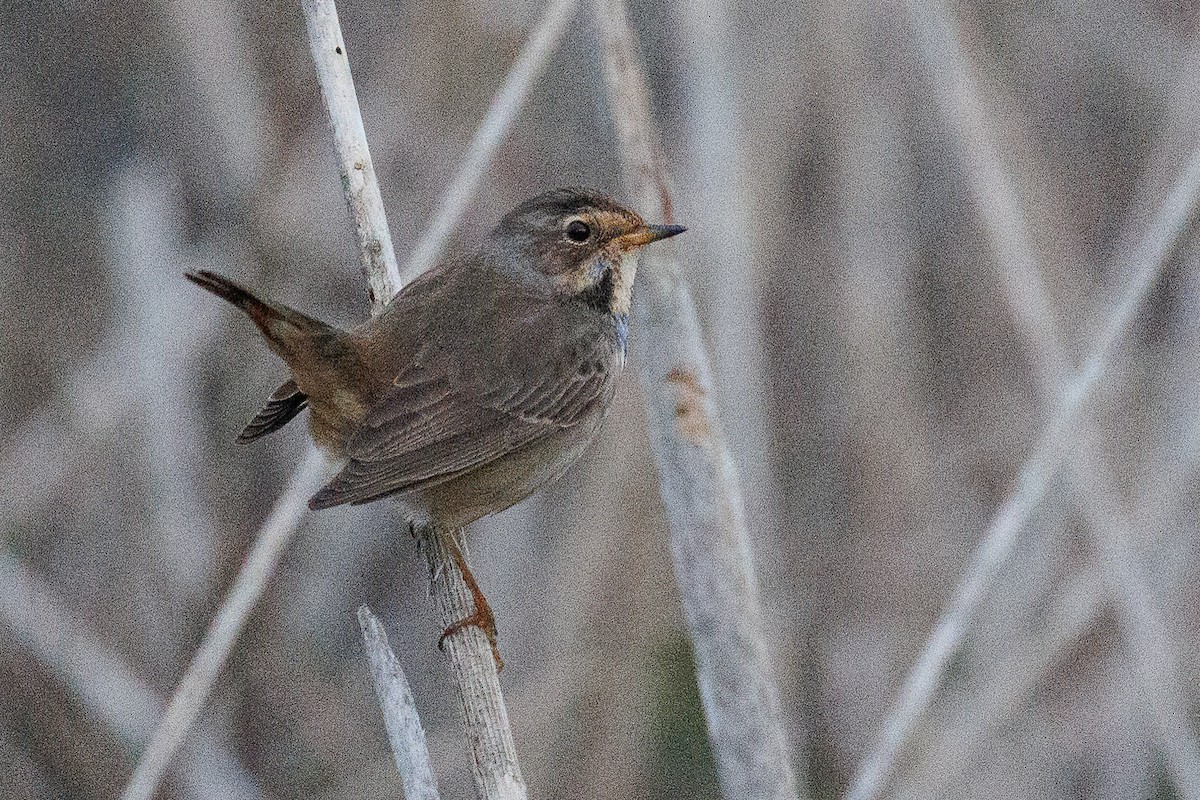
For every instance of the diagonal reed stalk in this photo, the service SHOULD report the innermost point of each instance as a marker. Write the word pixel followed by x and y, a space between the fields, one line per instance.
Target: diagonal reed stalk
pixel 1046 459
pixel 405 733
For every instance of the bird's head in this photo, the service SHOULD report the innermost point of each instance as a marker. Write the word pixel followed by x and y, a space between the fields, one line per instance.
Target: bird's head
pixel 579 243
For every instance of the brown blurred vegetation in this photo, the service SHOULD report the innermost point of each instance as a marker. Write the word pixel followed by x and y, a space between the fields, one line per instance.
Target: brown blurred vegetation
pixel 871 378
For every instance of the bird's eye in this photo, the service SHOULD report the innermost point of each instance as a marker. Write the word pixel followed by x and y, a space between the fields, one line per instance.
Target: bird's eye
pixel 578 231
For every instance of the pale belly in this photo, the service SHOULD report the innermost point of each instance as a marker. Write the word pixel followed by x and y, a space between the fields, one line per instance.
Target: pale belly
pixel 504 482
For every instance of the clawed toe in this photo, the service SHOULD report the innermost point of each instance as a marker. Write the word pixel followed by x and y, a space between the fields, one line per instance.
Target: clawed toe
pixel 484 621
pixel 482 617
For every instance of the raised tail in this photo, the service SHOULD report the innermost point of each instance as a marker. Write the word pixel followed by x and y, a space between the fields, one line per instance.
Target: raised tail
pixel 309 346
pixel 273 319
pixel 287 330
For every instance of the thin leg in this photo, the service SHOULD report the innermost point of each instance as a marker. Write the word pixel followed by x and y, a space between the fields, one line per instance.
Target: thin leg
pixel 482 617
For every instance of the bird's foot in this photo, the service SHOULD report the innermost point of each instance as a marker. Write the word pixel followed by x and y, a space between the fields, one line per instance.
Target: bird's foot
pixel 482 617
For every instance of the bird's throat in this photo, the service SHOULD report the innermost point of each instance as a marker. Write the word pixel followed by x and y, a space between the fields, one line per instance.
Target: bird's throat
pixel 600 294
pixel 621 274
pixel 612 293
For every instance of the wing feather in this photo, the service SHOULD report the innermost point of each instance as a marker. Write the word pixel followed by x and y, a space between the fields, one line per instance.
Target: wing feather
pixel 432 425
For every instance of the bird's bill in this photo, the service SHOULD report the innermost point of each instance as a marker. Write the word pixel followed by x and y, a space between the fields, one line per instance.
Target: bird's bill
pixel 647 234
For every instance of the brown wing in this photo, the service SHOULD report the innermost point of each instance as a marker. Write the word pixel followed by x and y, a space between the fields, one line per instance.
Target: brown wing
pixel 435 424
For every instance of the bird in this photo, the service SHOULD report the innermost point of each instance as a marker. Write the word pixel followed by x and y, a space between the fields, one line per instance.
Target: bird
pixel 480 382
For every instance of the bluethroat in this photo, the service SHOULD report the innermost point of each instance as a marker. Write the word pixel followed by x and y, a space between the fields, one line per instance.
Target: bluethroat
pixel 482 380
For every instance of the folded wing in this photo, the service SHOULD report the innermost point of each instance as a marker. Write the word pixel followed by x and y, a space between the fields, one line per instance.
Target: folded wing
pixel 435 424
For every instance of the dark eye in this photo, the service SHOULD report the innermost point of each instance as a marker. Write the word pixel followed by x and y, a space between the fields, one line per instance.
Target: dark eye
pixel 578 231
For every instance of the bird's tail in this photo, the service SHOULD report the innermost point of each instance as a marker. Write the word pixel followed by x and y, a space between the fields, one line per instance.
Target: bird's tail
pixel 309 346
pixel 290 333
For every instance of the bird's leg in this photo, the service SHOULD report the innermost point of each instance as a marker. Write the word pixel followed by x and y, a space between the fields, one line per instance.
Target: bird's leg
pixel 481 617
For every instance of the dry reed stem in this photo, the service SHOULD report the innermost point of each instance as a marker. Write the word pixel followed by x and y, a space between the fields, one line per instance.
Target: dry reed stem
pixel 405 733
pixel 700 488
pixel 354 157
pixel 494 767
pixel 727 224
pixel 105 685
pixel 508 100
pixel 1046 459
pixel 197 682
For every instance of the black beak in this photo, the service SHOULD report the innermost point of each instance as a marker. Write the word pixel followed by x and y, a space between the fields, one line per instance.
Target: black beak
pixel 647 234
pixel 665 231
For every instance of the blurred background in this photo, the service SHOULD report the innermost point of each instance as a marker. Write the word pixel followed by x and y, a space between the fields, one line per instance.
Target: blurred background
pixel 907 227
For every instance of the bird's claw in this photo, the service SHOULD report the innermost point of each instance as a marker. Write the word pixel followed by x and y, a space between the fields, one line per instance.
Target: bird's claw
pixel 481 617
pixel 484 621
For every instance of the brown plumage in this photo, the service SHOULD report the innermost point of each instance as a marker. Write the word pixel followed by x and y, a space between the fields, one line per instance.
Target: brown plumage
pixel 483 379
pixel 508 356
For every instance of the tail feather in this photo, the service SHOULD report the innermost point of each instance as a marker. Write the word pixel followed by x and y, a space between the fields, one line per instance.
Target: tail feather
pixel 318 355
pixel 277 322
